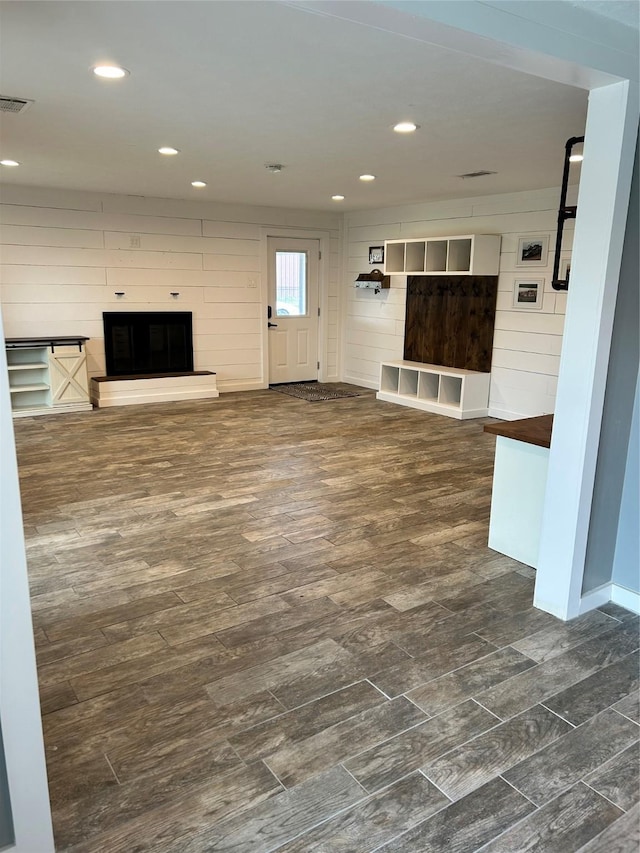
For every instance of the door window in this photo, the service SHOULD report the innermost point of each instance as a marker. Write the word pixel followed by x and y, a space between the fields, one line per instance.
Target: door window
pixel 291 284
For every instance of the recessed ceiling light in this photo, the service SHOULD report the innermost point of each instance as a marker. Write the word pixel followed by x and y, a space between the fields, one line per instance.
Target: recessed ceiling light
pixel 9 163
pixel 367 177
pixel 405 127
pixel 198 184
pixel 110 72
pixel 576 158
pixel 337 198
pixel 166 149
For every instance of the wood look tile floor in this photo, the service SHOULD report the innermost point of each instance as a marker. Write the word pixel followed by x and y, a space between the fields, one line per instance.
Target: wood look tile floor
pixel 267 625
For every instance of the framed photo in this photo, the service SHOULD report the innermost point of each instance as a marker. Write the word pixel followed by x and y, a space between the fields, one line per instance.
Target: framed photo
pixel 528 293
pixel 565 269
pixel 376 254
pixel 532 251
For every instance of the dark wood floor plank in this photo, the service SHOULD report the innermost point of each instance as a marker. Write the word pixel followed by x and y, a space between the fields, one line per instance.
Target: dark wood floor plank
pixel 538 683
pixel 375 821
pixel 420 746
pixel 281 818
pixel 161 735
pixel 596 692
pixel 56 697
pixel 468 767
pixel 297 725
pixel 278 672
pixel 443 659
pixel 69 629
pixel 465 826
pixel 559 638
pixel 276 622
pixel 293 764
pixel 562 826
pixel 134 670
pixel 630 706
pixel 163 826
pixel 621 836
pixel 77 665
pixel 475 677
pixel 617 780
pixel 555 768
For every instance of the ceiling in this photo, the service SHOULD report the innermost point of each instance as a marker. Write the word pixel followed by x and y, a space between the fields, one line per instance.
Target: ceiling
pixel 236 85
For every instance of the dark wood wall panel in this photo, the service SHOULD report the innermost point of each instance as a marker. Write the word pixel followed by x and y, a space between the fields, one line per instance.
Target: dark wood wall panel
pixel 450 320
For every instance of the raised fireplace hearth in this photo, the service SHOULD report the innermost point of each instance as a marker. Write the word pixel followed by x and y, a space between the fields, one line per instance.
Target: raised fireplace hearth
pixel 149 359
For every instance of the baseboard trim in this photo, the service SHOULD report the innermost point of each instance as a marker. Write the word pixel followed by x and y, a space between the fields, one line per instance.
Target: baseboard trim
pixel 625 597
pixel 363 383
pixel 505 415
pixel 595 598
pixel 227 386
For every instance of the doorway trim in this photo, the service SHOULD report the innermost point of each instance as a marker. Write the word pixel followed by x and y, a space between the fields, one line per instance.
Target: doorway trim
pixel 324 238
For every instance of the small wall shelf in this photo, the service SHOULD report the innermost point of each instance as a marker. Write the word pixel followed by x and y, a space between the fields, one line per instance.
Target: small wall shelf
pixel 460 394
pixel 47 375
pixel 472 254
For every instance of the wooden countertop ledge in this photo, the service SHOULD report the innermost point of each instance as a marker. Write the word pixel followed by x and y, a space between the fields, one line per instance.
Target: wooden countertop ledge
pixel 530 430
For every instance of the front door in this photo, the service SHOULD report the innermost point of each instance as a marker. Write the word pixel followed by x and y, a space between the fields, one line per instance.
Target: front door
pixel 293 309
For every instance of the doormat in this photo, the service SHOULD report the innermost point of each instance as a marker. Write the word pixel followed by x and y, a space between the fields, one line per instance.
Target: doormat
pixel 313 392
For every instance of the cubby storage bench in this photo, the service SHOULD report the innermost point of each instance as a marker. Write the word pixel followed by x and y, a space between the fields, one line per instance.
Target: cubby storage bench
pixel 47 375
pixel 470 254
pixel 448 391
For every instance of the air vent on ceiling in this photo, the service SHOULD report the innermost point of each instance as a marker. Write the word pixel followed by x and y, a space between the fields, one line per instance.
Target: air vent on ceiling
pixel 13 105
pixel 480 174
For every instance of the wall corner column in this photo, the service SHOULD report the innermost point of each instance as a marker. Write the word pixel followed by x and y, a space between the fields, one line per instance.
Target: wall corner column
pixel 610 138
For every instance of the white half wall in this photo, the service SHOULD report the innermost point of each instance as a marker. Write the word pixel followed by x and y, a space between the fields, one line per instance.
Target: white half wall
pixel 527 343
pixel 64 256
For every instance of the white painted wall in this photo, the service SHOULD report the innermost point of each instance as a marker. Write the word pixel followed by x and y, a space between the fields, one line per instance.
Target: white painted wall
pixel 64 255
pixel 527 344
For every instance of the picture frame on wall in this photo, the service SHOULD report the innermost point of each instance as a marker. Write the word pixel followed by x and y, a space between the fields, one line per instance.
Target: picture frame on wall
pixel 565 269
pixel 528 293
pixel 376 254
pixel 533 251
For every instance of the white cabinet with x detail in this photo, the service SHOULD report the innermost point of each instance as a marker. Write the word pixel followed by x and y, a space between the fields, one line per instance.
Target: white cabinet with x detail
pixel 47 375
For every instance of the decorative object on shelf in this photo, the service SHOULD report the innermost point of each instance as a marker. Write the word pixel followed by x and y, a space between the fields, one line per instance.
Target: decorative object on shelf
pixel 469 254
pixel 565 270
pixel 376 254
pixel 374 280
pixel 533 251
pixel 565 211
pixel 528 293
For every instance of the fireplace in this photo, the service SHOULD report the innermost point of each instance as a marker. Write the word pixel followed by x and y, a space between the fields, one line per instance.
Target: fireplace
pixel 147 343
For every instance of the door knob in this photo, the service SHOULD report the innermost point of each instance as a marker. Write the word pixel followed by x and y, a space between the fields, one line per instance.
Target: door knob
pixel 272 325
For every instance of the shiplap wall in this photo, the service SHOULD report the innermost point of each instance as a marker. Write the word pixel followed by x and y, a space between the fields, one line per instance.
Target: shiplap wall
pixel 527 343
pixel 64 255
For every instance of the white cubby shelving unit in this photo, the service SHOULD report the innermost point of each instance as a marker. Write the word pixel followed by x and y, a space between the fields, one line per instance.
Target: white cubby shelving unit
pixel 28 379
pixel 47 376
pixel 469 254
pixel 447 391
